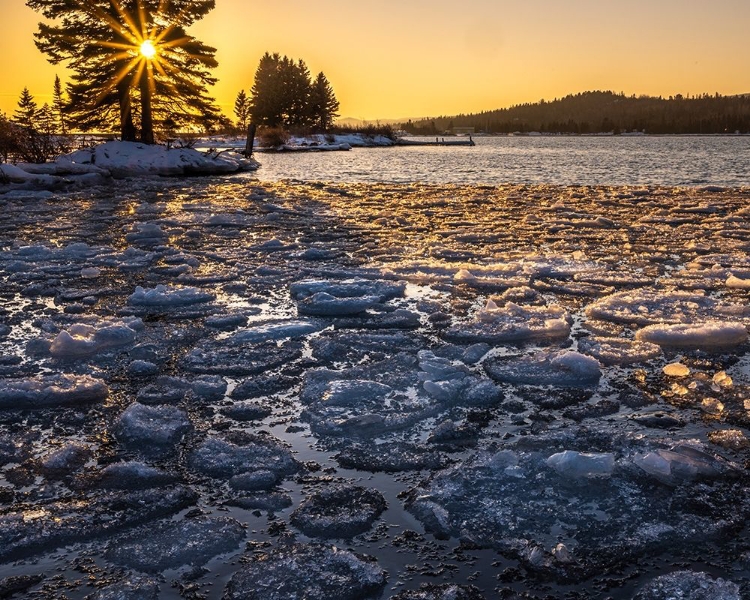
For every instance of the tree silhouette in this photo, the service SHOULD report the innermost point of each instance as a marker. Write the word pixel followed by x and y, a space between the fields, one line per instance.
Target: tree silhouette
pixel 324 106
pixel 132 61
pixel 26 112
pixel 242 109
pixel 58 105
pixel 284 95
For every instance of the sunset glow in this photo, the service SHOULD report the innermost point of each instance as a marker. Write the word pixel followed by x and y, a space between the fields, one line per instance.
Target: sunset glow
pixel 391 59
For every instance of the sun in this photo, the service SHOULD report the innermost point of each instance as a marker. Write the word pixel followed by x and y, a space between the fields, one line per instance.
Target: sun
pixel 148 50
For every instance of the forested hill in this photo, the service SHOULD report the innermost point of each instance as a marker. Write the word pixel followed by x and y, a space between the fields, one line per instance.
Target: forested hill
pixel 605 112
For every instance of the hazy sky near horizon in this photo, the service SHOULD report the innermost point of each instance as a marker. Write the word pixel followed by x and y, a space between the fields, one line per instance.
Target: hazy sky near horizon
pixel 410 58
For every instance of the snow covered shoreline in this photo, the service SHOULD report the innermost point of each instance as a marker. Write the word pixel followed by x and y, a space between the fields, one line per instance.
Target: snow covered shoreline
pixel 553 380
pixel 120 160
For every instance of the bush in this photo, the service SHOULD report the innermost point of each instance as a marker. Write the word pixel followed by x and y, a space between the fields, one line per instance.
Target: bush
pixel 272 137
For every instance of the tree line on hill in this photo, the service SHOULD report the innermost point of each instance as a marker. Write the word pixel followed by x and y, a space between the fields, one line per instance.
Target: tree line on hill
pixel 284 95
pixel 605 112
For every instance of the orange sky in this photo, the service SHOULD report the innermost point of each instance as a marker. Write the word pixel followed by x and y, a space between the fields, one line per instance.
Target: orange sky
pixel 409 58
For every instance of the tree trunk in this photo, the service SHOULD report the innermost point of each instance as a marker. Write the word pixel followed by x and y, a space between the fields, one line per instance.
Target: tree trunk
pixel 127 128
pixel 147 118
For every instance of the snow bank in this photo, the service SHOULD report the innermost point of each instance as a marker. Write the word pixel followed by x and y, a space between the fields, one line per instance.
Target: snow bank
pixel 131 159
pixel 698 335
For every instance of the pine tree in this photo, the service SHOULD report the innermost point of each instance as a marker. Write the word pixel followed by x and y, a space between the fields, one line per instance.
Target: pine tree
pixel 58 105
pixel 26 112
pixel 265 95
pixel 45 120
pixel 114 80
pixel 242 110
pixel 323 106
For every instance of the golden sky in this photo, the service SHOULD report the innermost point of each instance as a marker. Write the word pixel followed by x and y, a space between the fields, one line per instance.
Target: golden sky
pixel 411 58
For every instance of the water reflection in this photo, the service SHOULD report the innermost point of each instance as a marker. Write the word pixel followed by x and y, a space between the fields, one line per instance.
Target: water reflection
pixel 564 160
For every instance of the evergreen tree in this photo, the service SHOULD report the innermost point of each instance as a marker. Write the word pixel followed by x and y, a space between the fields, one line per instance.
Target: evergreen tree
pixel 25 114
pixel 323 106
pixel 242 110
pixel 115 79
pixel 265 96
pixel 283 95
pixel 45 120
pixel 296 88
pixel 58 105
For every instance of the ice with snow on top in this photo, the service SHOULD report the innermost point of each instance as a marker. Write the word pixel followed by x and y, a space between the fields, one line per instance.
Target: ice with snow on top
pixel 737 283
pixel 275 331
pixel 169 296
pixel 82 340
pixel 348 288
pixel 50 391
pixel 562 368
pixel 512 322
pixel 618 351
pixel 653 307
pixel 714 334
pixel 688 585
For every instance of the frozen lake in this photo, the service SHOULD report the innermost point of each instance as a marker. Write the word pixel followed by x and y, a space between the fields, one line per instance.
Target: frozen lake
pixel 561 160
pixel 226 389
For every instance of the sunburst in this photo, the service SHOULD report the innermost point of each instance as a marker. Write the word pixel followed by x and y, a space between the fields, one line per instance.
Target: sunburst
pixel 142 41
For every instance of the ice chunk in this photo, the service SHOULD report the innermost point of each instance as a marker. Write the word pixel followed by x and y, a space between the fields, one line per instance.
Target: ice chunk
pixel 51 390
pixel 695 335
pixel 734 439
pixel 66 460
pixel 565 368
pixel 132 476
pixel 652 307
pixel 737 283
pixel 313 571
pixel 221 458
pixel 512 322
pixel 618 351
pixel 679 463
pixel 169 296
pixel 152 429
pixel 169 545
pixel 133 588
pixel 349 288
pixel 324 304
pixel 339 512
pixel 82 340
pixel 276 331
pixel 676 369
pixel 582 464
pixel 354 391
pixel 688 585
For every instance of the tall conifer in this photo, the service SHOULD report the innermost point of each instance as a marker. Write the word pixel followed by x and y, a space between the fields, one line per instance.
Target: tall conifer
pixel 113 82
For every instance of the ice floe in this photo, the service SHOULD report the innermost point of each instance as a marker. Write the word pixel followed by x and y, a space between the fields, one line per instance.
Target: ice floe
pixel 710 334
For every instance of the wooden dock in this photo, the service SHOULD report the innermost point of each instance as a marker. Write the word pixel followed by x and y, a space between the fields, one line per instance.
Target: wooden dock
pixel 438 142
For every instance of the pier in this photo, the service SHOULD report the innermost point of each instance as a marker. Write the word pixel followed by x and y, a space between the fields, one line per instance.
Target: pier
pixel 437 142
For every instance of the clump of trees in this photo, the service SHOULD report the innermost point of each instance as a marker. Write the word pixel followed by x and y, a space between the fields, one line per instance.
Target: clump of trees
pixel 115 84
pixel 606 112
pixel 285 95
pixel 34 134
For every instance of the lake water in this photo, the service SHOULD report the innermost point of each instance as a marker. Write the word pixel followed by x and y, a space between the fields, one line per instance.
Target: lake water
pixel 564 160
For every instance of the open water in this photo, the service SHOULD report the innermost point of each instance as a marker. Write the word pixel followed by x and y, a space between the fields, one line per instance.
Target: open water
pixel 565 160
